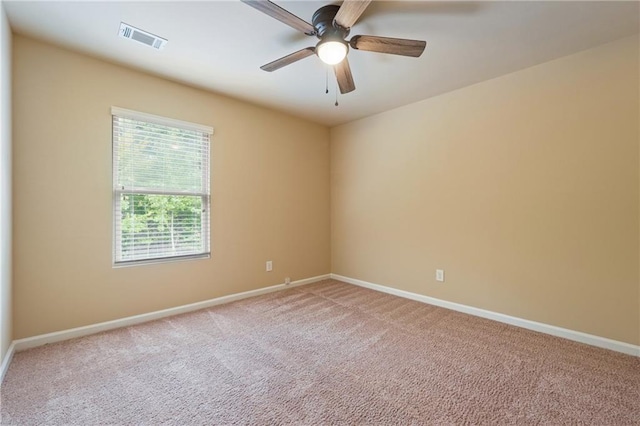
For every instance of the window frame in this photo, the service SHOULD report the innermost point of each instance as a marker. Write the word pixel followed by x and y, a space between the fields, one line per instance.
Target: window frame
pixel 117 192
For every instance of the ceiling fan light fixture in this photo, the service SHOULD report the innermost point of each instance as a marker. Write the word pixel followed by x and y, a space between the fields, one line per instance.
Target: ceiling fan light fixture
pixel 332 52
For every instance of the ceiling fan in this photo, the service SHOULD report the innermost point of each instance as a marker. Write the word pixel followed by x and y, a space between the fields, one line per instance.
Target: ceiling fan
pixel 331 24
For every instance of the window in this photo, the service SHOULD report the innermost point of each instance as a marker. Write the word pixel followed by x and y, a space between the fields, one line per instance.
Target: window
pixel 160 188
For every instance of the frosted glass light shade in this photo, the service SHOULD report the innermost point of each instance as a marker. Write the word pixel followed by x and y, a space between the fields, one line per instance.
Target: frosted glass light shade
pixel 331 52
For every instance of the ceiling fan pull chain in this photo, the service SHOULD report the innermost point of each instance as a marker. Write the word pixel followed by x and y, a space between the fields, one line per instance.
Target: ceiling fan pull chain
pixel 336 104
pixel 326 80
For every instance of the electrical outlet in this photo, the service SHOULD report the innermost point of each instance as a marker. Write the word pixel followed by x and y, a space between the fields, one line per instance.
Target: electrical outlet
pixel 269 265
pixel 440 275
pixel 287 281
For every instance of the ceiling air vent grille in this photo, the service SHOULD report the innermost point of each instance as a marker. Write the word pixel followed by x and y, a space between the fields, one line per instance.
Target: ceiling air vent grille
pixel 133 33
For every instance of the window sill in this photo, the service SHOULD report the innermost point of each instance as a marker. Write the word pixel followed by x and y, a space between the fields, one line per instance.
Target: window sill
pixel 129 263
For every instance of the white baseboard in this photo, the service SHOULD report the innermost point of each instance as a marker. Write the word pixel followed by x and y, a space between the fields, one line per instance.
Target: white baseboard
pixel 6 361
pixel 32 342
pixel 577 336
pixel 58 336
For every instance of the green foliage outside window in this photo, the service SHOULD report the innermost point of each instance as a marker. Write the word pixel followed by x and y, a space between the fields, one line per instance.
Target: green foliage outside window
pixel 154 224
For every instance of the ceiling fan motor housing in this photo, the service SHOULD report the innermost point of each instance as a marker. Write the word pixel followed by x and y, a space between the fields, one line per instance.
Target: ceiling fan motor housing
pixel 323 23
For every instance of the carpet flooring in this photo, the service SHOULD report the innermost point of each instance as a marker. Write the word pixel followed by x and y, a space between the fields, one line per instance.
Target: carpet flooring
pixel 325 353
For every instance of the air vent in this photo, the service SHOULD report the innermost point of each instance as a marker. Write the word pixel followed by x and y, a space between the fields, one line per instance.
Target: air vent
pixel 133 33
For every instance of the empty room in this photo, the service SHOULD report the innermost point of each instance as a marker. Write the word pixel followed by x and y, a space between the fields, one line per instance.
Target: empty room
pixel 310 212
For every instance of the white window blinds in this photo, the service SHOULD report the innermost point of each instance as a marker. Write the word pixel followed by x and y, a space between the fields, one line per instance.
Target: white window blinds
pixel 160 188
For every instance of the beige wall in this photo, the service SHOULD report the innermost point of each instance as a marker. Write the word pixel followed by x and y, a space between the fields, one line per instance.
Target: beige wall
pixel 270 194
pixel 523 188
pixel 5 184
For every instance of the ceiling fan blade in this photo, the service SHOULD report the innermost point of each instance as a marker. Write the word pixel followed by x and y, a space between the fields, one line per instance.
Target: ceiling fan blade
pixel 349 12
pixel 282 15
pixel 289 59
pixel 395 46
pixel 344 77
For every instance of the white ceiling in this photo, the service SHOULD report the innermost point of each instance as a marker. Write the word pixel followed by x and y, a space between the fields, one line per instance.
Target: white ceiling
pixel 220 45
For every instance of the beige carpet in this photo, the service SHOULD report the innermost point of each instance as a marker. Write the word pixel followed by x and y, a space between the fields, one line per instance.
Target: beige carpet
pixel 327 353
